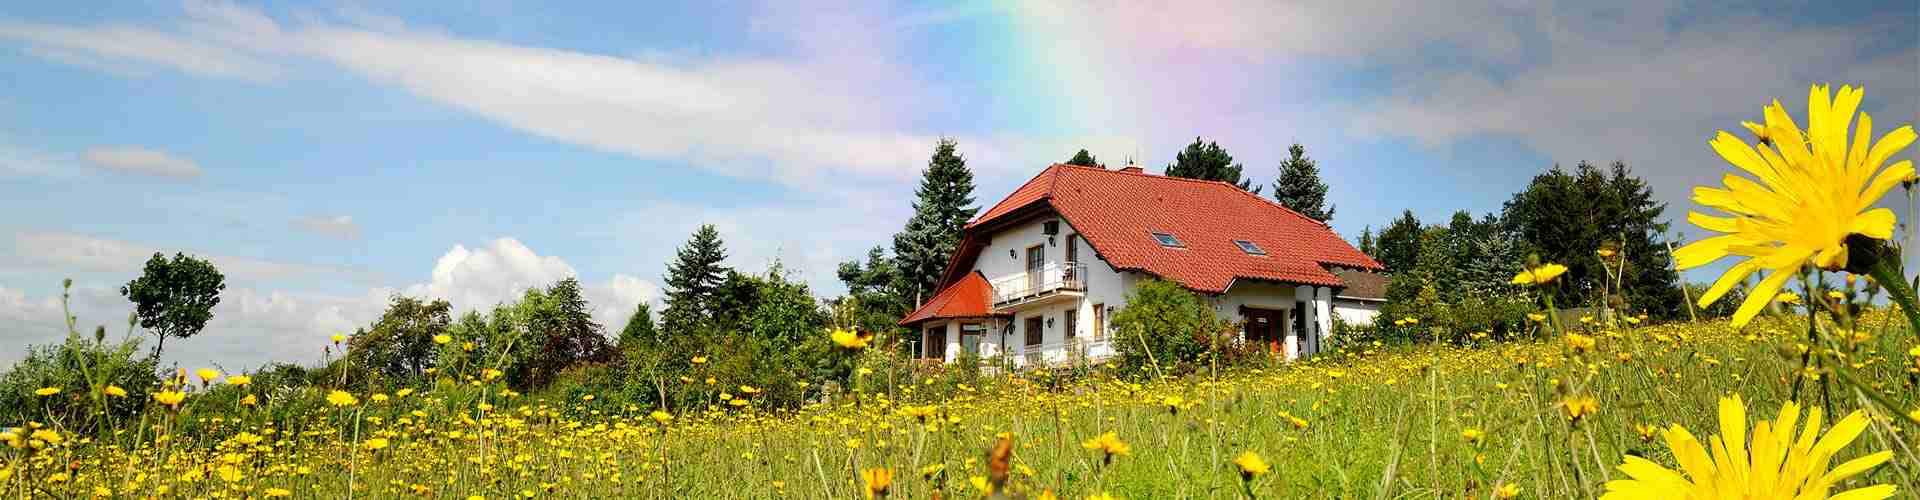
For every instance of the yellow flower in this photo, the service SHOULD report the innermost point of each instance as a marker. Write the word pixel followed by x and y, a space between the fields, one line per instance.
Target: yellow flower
pixel 1773 465
pixel 1813 191
pixel 230 474
pixel 403 392
pixel 850 339
pixel 1251 465
pixel 490 374
pixel 1605 252
pixel 374 444
pixel 1109 445
pixel 918 412
pixel 250 400
pixel 115 391
pixel 661 416
pixel 1101 496
pixel 341 398
pixel 1537 317
pixel 928 471
pixel 699 360
pixel 1578 407
pixel 442 339
pixel 1580 343
pixel 170 398
pixel 1539 275
pixel 240 380
pixel 47 391
pixel 1507 490
pixel 338 338
pixel 879 480
pixel 1472 435
pixel 278 492
pixel 207 374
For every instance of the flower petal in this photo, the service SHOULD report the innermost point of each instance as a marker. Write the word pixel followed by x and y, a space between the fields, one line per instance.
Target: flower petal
pixel 1856 466
pixel 1760 296
pixel 1877 223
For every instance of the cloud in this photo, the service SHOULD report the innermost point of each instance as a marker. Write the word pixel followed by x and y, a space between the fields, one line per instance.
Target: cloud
pixel 86 253
pixel 141 161
pixel 338 226
pixel 476 279
pixel 135 51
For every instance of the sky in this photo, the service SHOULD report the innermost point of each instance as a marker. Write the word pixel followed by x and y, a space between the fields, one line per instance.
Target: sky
pixel 327 156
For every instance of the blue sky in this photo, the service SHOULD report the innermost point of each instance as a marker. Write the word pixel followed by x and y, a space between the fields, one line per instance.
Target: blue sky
pixel 327 155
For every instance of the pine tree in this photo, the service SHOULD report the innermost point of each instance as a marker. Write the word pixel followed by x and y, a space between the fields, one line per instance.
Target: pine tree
pixel 1399 244
pixel 1299 186
pixel 693 280
pixel 1083 158
pixel 1366 243
pixel 640 329
pixel 1208 161
pixel 944 206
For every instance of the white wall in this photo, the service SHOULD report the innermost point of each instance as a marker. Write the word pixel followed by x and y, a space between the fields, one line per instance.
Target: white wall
pixel 1005 256
pixel 1356 312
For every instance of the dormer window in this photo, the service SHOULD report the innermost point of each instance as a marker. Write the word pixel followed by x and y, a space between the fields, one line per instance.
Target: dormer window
pixel 1249 247
pixel 1167 240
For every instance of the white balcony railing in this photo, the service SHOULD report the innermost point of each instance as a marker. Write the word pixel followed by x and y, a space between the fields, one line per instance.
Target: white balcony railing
pixel 1055 277
pixel 1070 352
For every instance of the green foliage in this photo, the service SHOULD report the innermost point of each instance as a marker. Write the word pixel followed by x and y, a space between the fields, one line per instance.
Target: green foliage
pixel 1163 324
pixel 1299 186
pixel 1565 216
pixel 694 279
pixel 399 346
pixel 80 367
pixel 1399 243
pixel 1084 159
pixel 1366 244
pixel 640 329
pixel 175 297
pixel 1208 161
pixel 943 206
pixel 874 299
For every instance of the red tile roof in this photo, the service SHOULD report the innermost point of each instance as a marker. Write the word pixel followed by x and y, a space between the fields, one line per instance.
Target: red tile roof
pixel 1116 211
pixel 971 297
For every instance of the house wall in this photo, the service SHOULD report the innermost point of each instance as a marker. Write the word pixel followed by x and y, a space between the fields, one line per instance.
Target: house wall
pixel 1356 312
pixel 1004 258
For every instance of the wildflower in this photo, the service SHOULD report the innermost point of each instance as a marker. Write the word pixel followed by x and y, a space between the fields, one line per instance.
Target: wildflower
pixel 1539 275
pixel 247 438
pixel 249 400
pixel 1605 252
pixel 929 471
pixel 1580 343
pixel 661 417
pixel 230 474
pixel 239 380
pixel 338 338
pixel 490 374
pixel 1646 431
pixel 1251 465
pixel 341 398
pixel 1787 298
pixel 1578 407
pixel 918 412
pixel 699 360
pixel 46 436
pixel 278 492
pixel 1773 465
pixel 851 339
pixel 46 391
pixel 1537 317
pixel 374 444
pixel 442 339
pixel 1413 320
pixel 170 398
pixel 1109 445
pixel 1472 435
pixel 468 346
pixel 879 480
pixel 1507 490
pixel 1811 195
pixel 115 391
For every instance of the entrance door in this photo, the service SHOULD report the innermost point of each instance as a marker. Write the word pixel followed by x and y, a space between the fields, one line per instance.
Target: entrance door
pixel 1036 263
pixel 1263 328
pixel 1034 334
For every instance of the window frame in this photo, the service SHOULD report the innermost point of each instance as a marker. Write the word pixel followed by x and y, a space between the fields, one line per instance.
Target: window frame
pixel 1249 247
pixel 1163 237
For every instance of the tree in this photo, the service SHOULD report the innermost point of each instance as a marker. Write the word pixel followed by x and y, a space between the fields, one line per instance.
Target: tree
pixel 1163 324
pixel 1399 243
pixel 693 279
pixel 559 320
pixel 400 344
pixel 1208 161
pixel 1366 244
pixel 640 329
pixel 175 298
pixel 944 205
pixel 1299 186
pixel 1083 158
pixel 873 291
pixel 1564 217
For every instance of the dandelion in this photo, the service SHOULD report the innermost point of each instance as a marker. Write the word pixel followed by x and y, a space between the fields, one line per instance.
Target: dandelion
pixel 1541 275
pixel 1472 435
pixel 1578 407
pixel 374 444
pixel 341 398
pixel 239 380
pixel 115 391
pixel 661 417
pixel 1814 190
pixel 1580 343
pixel 1605 253
pixel 442 339
pixel 879 480
pixel 490 374
pixel 338 338
pixel 249 400
pixel 850 339
pixel 278 492
pixel 46 391
pixel 170 398
pixel 1773 465
pixel 699 360
pixel 1109 444
pixel 1537 317
pixel 1507 490
pixel 1251 465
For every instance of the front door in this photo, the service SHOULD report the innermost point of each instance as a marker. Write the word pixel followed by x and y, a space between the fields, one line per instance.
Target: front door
pixel 1263 328
pixel 1034 334
pixel 1036 262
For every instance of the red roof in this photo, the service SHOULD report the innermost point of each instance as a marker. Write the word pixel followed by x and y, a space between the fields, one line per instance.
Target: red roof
pixel 971 297
pixel 1116 212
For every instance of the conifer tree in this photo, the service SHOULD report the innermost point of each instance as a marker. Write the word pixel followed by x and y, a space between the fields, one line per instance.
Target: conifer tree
pixel 1083 158
pixel 1208 161
pixel 944 205
pixel 693 280
pixel 1299 186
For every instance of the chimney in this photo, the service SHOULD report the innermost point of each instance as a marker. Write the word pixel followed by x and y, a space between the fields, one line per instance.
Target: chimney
pixel 1132 168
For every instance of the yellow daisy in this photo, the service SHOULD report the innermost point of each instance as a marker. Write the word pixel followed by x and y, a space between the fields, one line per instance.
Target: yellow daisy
pixel 1773 465
pixel 1814 189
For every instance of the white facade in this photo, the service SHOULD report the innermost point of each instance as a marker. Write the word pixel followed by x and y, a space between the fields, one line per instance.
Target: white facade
pixel 1357 311
pixel 1063 290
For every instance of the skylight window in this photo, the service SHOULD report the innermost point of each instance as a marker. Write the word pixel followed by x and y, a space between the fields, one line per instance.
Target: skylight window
pixel 1167 240
pixel 1249 247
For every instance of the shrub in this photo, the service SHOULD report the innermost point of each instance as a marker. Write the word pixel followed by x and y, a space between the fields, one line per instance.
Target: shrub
pixel 81 368
pixel 1164 325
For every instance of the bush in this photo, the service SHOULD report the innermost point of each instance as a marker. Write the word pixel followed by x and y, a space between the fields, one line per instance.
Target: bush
pixel 1164 325
pixel 81 368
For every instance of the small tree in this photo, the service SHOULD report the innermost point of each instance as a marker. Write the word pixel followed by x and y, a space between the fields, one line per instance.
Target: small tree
pixel 175 297
pixel 1164 325
pixel 640 329
pixel 1084 159
pixel 1208 161
pixel 1299 186
pixel 400 344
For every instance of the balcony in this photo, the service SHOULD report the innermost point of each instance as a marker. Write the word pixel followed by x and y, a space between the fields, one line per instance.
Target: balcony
pixel 1073 352
pixel 1045 285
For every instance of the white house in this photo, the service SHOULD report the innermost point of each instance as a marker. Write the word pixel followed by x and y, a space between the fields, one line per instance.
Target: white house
pixel 1036 276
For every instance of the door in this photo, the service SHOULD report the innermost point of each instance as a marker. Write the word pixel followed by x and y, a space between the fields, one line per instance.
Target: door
pixel 1073 257
pixel 1034 333
pixel 1036 264
pixel 936 347
pixel 1263 328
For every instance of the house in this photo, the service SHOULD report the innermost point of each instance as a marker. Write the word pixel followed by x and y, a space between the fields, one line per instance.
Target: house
pixel 1037 276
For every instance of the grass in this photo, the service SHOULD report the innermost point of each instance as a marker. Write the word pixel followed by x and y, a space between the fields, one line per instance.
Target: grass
pixel 1368 422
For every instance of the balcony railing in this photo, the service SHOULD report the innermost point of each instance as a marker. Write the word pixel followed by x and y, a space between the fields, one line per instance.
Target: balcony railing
pixel 1047 281
pixel 1069 353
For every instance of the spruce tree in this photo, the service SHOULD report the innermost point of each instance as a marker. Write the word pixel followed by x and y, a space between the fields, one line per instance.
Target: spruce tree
pixel 1299 186
pixel 1399 244
pixel 1366 243
pixel 944 206
pixel 1208 161
pixel 1083 158
pixel 640 329
pixel 693 280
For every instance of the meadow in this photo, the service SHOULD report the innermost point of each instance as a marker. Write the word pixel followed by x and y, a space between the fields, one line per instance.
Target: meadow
pixel 1411 421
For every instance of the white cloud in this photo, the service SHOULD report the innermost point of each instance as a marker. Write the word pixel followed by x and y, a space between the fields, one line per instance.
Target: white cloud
pixel 338 226
pixel 501 271
pixel 131 50
pixel 141 161
pixel 85 253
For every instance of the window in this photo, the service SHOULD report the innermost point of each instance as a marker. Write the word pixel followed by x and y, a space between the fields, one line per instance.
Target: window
pixel 1072 322
pixel 1249 247
pixel 1167 240
pixel 970 335
pixel 1099 321
pixel 936 346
